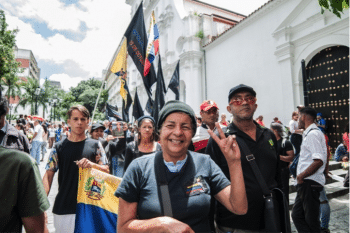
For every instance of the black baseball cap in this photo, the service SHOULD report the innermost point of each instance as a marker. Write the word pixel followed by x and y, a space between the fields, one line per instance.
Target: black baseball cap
pixel 240 88
pixel 96 126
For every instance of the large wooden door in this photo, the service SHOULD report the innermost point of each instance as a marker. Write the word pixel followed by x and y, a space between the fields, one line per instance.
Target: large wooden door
pixel 327 87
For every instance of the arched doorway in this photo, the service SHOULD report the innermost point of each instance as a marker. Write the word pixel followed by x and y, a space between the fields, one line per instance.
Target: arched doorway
pixel 327 88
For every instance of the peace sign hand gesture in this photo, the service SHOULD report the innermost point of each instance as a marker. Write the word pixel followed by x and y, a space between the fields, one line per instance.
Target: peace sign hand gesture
pixel 228 146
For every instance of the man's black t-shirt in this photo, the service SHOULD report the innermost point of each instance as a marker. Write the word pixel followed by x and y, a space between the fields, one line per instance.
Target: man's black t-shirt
pixel 63 158
pixel 283 151
pixel 264 150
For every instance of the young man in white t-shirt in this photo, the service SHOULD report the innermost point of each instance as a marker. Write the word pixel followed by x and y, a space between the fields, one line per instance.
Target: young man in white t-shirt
pixel 36 141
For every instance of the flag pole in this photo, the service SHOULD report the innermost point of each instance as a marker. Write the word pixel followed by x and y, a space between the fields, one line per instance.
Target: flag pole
pixel 98 97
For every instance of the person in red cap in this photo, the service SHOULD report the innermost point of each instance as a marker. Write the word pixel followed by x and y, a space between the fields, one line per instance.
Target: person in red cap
pixel 209 112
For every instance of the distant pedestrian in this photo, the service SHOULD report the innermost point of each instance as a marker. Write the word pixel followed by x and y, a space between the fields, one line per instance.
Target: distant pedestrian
pixel 260 121
pixel 37 141
pixel 51 135
pixel 223 122
pixel 44 143
pixel 310 174
pixel 10 137
pixel 296 137
pixel 210 114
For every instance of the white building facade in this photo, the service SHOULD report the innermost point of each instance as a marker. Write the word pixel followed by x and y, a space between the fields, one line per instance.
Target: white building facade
pixel 184 26
pixel 265 51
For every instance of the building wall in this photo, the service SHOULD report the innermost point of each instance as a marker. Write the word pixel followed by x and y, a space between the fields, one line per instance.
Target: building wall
pixel 178 22
pixel 265 51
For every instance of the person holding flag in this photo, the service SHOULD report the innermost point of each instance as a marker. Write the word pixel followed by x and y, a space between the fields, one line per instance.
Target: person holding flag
pixel 67 156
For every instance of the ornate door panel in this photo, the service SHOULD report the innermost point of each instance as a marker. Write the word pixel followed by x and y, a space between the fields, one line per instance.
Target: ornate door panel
pixel 327 87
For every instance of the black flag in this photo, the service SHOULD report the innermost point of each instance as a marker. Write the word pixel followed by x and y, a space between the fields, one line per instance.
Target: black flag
pixel 136 37
pixel 149 106
pixel 126 106
pixel 159 100
pixel 137 111
pixel 174 83
pixel 112 112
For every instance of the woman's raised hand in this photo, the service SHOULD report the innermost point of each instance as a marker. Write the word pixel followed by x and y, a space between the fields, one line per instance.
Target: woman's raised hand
pixel 228 145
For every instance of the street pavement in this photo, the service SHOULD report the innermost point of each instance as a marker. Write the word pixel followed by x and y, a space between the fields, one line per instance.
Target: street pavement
pixel 339 222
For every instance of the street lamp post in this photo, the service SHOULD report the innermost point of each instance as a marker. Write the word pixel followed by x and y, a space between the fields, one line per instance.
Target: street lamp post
pixel 54 100
pixel 37 93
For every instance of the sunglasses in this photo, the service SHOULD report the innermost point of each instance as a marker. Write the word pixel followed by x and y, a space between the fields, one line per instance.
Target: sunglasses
pixel 239 100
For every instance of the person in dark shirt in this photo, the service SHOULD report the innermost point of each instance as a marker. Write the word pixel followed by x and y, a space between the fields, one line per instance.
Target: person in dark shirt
pixel 286 152
pixel 192 180
pixel 10 137
pixel 67 156
pixel 263 145
pixel 22 195
pixel 146 141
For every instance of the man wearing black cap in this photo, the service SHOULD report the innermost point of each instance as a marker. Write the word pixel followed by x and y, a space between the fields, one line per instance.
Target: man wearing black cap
pixel 263 145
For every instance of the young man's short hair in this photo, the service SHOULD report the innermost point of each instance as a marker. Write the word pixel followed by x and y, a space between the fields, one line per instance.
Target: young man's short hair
pixel 309 111
pixel 81 109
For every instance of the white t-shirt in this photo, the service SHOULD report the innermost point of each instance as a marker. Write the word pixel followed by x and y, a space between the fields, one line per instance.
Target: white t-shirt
pixel 51 132
pixel 39 130
pixel 294 125
pixel 313 147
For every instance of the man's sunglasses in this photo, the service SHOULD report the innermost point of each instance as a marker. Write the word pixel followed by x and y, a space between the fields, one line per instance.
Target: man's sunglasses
pixel 239 100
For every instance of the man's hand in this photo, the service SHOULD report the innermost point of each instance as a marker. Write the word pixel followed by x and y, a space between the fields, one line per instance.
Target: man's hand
pixel 345 159
pixel 84 163
pixel 228 146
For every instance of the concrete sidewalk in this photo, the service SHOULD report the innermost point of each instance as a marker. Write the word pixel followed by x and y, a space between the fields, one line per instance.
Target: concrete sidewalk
pixel 53 191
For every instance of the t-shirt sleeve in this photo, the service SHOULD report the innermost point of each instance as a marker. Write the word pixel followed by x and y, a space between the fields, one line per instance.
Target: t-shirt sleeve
pixel 52 162
pixel 288 146
pixel 32 199
pixel 129 188
pixel 218 180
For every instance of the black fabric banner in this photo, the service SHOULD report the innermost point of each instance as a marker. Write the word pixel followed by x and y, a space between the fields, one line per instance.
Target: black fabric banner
pixel 126 106
pixel 136 37
pixel 137 111
pixel 159 100
pixel 149 106
pixel 112 112
pixel 174 83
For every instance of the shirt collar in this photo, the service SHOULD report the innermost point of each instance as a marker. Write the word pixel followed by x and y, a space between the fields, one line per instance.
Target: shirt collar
pixel 175 168
pixel 233 129
pixel 307 130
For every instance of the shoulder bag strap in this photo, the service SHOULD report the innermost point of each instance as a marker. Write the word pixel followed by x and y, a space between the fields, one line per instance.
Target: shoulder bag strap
pixel 251 159
pixel 159 167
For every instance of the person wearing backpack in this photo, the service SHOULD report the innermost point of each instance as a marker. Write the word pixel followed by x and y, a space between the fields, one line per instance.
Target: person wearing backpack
pixel 286 151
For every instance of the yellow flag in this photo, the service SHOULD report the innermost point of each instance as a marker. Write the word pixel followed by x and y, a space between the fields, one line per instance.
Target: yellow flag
pixel 119 64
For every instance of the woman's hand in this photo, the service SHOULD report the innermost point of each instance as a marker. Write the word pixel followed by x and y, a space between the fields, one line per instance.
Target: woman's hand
pixel 171 225
pixel 228 146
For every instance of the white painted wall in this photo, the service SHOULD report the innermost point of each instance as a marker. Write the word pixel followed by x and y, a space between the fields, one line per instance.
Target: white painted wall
pixel 265 52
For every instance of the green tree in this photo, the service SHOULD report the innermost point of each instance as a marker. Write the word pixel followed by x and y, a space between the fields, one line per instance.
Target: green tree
pixel 28 97
pixel 334 6
pixel 9 67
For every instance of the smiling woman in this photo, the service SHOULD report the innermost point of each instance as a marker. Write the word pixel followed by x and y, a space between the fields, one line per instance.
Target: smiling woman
pixel 191 179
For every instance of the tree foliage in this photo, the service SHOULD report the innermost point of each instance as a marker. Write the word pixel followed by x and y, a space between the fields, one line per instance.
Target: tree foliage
pixel 334 6
pixel 9 67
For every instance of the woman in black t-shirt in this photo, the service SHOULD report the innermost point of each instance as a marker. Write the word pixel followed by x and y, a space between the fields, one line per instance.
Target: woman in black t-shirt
pixel 286 152
pixel 146 142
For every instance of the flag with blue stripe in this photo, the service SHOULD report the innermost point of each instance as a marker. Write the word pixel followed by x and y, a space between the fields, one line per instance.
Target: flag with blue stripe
pixel 97 208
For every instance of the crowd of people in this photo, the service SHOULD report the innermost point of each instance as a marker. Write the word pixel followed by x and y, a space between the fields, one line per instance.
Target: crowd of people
pixel 181 172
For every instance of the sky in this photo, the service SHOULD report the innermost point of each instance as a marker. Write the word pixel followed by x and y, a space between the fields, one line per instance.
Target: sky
pixel 74 40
